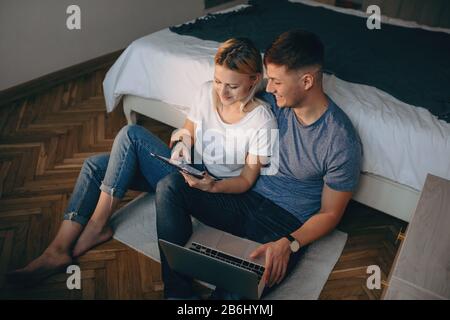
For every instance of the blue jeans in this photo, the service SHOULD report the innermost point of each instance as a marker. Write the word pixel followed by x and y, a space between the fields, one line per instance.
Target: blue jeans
pixel 247 215
pixel 128 166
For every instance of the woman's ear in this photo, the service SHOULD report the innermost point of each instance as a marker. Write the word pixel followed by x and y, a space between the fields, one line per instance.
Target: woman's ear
pixel 258 78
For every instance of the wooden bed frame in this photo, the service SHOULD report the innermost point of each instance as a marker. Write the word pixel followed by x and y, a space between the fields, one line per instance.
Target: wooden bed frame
pixel 380 193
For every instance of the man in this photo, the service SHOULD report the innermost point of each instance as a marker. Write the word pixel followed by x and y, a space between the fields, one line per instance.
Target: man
pixel 319 166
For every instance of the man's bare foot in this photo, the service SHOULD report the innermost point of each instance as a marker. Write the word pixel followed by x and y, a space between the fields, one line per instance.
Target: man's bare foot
pixel 91 236
pixel 47 264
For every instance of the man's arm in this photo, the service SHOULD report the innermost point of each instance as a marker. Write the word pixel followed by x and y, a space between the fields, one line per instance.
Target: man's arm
pixel 278 252
pixel 332 208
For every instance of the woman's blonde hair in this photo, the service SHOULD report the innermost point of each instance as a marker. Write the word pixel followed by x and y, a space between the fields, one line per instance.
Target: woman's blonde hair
pixel 240 55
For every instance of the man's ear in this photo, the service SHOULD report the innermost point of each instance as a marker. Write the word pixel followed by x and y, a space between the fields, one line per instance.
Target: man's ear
pixel 307 81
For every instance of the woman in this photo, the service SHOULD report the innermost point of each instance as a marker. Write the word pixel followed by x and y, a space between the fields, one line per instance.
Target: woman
pixel 223 108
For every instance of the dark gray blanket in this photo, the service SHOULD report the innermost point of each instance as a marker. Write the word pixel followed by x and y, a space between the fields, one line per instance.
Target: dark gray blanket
pixel 411 64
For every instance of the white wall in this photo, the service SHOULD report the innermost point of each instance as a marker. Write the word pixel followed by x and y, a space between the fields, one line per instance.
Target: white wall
pixel 34 39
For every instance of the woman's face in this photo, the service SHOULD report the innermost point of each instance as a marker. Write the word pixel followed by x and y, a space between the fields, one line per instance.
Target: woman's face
pixel 231 86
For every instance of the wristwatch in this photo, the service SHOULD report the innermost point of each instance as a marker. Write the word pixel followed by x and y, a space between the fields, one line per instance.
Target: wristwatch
pixel 295 245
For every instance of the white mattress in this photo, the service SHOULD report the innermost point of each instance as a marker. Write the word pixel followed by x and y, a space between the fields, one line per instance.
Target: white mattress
pixel 401 142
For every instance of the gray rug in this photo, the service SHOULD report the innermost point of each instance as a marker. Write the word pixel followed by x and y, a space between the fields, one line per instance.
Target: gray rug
pixel 135 226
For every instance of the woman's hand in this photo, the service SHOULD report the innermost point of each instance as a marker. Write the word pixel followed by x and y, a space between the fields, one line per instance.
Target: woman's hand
pixel 181 152
pixel 205 184
pixel 181 142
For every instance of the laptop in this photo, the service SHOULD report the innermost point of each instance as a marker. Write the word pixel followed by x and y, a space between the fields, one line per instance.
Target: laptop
pixel 218 258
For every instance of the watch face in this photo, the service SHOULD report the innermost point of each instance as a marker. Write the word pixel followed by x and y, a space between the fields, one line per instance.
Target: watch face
pixel 295 246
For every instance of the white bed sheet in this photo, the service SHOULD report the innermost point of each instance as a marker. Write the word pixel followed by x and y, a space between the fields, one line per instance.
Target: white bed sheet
pixel 401 142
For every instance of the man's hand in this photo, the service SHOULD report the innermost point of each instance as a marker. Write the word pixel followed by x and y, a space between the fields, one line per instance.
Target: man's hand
pixel 205 184
pixel 277 257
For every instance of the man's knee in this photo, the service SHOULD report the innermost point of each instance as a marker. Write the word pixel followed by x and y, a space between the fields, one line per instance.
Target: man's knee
pixel 172 220
pixel 169 185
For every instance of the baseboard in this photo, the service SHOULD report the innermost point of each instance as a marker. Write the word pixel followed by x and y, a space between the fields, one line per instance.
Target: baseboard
pixel 48 81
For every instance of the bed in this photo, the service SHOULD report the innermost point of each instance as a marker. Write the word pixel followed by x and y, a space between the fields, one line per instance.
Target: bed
pixel 403 141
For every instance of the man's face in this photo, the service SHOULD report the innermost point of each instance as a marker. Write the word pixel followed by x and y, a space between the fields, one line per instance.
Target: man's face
pixel 284 85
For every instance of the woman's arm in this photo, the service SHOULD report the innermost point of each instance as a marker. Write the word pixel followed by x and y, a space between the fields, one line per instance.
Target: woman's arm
pixel 238 184
pixel 185 134
pixel 244 181
pixel 182 141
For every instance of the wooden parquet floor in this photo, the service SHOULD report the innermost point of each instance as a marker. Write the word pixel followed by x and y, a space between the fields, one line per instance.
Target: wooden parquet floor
pixel 44 140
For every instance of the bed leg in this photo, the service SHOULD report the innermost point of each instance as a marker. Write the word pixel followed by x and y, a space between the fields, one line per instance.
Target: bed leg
pixel 129 114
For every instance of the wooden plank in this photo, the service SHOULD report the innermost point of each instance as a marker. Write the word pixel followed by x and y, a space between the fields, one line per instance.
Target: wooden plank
pixel 5 252
pixel 424 260
pixel 145 269
pixel 88 289
pixel 112 282
pixel 127 274
pixel 101 291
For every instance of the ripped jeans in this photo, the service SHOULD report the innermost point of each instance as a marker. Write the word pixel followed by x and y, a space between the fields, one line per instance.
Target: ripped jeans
pixel 128 166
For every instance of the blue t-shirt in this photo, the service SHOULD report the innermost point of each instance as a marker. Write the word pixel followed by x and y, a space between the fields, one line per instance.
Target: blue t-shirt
pixel 328 150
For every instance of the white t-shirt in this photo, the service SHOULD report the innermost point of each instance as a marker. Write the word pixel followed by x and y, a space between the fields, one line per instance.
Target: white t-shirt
pixel 223 147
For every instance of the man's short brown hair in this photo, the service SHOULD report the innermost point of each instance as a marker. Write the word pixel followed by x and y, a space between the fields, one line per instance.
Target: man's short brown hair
pixel 295 49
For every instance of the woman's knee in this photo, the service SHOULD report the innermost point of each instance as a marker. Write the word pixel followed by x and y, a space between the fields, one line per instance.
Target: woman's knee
pixel 124 132
pixel 130 131
pixel 131 134
pixel 128 128
pixel 125 138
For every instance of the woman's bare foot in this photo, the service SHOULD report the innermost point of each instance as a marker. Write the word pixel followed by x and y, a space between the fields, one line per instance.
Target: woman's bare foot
pixel 92 235
pixel 47 264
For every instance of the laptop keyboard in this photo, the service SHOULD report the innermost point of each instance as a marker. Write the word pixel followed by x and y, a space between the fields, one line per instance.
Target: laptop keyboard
pixel 259 270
